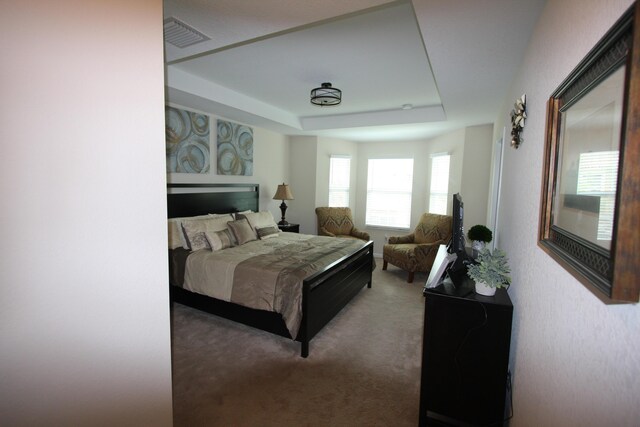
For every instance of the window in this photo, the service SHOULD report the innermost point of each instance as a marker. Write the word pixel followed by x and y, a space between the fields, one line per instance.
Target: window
pixel 598 176
pixel 389 186
pixel 439 194
pixel 339 177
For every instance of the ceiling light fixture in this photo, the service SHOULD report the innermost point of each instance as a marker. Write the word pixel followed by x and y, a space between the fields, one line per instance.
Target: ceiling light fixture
pixel 326 95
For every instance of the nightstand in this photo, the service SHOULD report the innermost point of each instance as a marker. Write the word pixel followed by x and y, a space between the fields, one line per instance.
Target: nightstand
pixel 291 228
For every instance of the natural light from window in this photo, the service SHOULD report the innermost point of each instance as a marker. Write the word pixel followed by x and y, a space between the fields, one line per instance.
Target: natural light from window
pixel 439 193
pixel 389 187
pixel 598 176
pixel 339 178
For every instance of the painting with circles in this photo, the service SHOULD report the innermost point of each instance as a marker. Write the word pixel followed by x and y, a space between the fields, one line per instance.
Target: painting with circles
pixel 235 149
pixel 187 140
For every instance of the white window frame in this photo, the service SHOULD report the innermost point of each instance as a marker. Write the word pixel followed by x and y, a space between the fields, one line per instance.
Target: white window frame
pixel 439 186
pixel 389 193
pixel 338 188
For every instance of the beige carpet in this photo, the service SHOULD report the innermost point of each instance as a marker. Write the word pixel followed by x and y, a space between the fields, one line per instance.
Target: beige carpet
pixel 363 368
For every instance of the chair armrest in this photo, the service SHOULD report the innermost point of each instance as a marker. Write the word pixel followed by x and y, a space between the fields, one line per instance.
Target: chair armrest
pixel 360 234
pixel 426 252
pixel 401 239
pixel 324 232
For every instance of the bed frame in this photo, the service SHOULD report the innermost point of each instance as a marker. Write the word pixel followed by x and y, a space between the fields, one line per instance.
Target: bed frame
pixel 324 293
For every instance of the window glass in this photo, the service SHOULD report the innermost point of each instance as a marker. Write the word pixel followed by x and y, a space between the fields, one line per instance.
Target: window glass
pixel 389 186
pixel 598 176
pixel 339 179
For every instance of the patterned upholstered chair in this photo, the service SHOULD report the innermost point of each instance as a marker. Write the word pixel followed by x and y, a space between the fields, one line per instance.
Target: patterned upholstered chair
pixel 338 222
pixel 416 251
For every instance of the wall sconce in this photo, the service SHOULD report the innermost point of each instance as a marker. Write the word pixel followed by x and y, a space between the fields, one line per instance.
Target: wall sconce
pixel 518 116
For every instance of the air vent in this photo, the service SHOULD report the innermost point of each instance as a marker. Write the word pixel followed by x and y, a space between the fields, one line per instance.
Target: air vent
pixel 180 34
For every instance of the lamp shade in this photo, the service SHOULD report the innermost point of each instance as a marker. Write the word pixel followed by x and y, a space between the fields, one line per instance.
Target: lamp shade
pixel 283 192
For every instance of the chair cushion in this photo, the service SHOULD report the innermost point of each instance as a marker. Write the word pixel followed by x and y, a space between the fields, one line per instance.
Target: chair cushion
pixel 347 236
pixel 401 255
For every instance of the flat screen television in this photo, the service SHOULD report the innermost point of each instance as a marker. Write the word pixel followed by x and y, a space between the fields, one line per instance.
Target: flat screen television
pixel 457 244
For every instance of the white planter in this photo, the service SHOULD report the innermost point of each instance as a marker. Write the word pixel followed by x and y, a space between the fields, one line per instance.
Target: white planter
pixel 477 246
pixel 484 289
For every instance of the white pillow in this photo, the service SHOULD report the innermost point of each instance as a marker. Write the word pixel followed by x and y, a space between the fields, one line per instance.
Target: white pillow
pixel 176 235
pixel 195 230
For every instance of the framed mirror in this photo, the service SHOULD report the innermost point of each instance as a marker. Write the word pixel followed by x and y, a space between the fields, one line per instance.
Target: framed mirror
pixel 590 208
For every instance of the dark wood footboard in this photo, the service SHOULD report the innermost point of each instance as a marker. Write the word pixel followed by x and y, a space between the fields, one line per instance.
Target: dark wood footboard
pixel 325 293
pixel 323 296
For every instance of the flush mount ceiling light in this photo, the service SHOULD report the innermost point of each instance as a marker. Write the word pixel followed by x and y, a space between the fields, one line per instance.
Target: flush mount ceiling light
pixel 326 95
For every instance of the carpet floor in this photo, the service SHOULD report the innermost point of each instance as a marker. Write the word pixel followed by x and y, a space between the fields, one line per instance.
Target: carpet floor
pixel 363 368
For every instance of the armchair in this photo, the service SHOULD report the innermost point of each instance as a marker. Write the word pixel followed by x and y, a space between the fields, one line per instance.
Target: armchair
pixel 338 222
pixel 416 251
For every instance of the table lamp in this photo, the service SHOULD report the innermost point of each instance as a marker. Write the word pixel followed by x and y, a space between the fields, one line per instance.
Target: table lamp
pixel 283 193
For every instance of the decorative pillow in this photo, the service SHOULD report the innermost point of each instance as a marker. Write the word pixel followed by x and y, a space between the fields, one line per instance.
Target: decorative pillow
pixel 219 240
pixel 195 230
pixel 176 235
pixel 240 215
pixel 242 231
pixel 259 220
pixel 267 232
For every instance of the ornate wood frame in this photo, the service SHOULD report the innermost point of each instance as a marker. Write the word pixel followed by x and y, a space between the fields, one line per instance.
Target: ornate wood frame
pixel 612 275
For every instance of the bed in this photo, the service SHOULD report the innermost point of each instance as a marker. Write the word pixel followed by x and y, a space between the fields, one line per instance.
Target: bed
pixel 325 291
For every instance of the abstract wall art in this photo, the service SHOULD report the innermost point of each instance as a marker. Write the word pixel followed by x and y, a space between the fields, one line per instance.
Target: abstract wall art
pixel 187 141
pixel 235 149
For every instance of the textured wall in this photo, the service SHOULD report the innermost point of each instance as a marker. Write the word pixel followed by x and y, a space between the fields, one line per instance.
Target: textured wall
pixel 576 361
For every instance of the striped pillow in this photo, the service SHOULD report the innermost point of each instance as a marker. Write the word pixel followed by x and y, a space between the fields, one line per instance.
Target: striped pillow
pixel 267 232
pixel 219 240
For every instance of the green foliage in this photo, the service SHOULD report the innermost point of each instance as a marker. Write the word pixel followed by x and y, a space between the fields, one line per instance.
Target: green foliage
pixel 480 232
pixel 491 268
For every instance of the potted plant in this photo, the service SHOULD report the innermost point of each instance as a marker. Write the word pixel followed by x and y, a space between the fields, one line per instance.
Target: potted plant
pixel 490 271
pixel 479 236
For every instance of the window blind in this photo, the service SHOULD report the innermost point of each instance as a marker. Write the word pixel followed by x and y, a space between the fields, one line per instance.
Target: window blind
pixel 339 181
pixel 389 187
pixel 598 176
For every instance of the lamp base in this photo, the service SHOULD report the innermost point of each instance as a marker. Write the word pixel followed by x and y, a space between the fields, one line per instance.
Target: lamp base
pixel 283 209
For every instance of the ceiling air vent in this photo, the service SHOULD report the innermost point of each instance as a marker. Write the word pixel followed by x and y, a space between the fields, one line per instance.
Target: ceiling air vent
pixel 180 34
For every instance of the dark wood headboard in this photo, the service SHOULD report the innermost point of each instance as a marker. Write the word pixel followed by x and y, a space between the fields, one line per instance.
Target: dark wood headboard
pixel 201 199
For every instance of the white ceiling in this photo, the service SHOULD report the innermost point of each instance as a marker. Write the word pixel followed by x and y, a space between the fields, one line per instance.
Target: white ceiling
pixel 453 61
